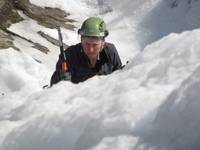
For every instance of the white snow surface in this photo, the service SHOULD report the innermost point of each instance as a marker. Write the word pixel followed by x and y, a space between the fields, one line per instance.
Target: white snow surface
pixel 152 104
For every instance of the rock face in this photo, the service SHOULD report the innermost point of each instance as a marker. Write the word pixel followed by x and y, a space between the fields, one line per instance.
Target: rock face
pixel 8 14
pixel 5 40
pixel 51 39
pixel 48 17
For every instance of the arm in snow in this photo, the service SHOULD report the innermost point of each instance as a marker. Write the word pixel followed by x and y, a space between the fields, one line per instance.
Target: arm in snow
pixel 58 75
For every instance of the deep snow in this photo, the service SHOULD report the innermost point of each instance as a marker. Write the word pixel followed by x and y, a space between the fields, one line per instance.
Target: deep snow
pixel 151 104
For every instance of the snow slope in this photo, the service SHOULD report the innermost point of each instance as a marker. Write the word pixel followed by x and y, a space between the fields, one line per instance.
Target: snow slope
pixel 151 104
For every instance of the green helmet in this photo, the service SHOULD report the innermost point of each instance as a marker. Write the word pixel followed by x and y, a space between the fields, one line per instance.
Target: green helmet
pixel 93 26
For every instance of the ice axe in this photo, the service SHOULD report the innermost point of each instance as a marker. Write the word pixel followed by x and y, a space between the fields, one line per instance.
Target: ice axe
pixel 65 74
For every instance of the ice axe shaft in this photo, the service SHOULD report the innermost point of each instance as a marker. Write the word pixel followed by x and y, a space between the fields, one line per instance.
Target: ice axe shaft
pixel 64 65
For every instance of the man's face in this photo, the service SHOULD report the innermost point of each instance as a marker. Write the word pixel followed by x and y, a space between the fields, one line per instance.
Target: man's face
pixel 92 46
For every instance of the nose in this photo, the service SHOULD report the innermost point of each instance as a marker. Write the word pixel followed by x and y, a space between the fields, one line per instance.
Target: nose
pixel 90 49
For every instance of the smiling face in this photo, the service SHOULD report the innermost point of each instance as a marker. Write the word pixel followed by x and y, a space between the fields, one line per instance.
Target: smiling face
pixel 92 46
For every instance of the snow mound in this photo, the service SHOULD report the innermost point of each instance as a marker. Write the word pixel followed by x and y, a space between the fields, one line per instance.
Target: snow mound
pixel 106 110
pixel 17 70
pixel 176 125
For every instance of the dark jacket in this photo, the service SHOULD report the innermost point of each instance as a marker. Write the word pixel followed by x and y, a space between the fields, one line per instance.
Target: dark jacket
pixel 80 68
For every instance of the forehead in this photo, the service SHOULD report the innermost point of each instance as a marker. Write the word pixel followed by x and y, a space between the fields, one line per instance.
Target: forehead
pixel 93 40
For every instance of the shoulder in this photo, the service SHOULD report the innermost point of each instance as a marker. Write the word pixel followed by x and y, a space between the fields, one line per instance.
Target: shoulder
pixel 110 48
pixel 109 45
pixel 72 52
pixel 74 48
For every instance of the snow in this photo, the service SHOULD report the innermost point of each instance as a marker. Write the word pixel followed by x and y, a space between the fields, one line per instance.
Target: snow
pixel 153 103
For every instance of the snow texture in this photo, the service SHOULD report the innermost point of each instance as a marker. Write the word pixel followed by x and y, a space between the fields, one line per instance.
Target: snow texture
pixel 152 104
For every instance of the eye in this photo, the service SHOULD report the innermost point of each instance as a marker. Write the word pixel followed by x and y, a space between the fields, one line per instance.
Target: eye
pixel 94 45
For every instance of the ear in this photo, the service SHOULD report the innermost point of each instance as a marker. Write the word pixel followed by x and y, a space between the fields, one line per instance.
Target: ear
pixel 103 39
pixel 79 31
pixel 103 44
pixel 81 38
pixel 106 33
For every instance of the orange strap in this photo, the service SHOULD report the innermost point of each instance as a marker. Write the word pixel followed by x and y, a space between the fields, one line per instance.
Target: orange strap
pixel 64 66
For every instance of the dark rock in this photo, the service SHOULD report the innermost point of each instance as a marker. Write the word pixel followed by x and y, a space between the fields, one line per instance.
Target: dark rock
pixel 8 14
pixel 35 45
pixel 48 17
pixel 51 39
pixel 41 48
pixel 6 40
